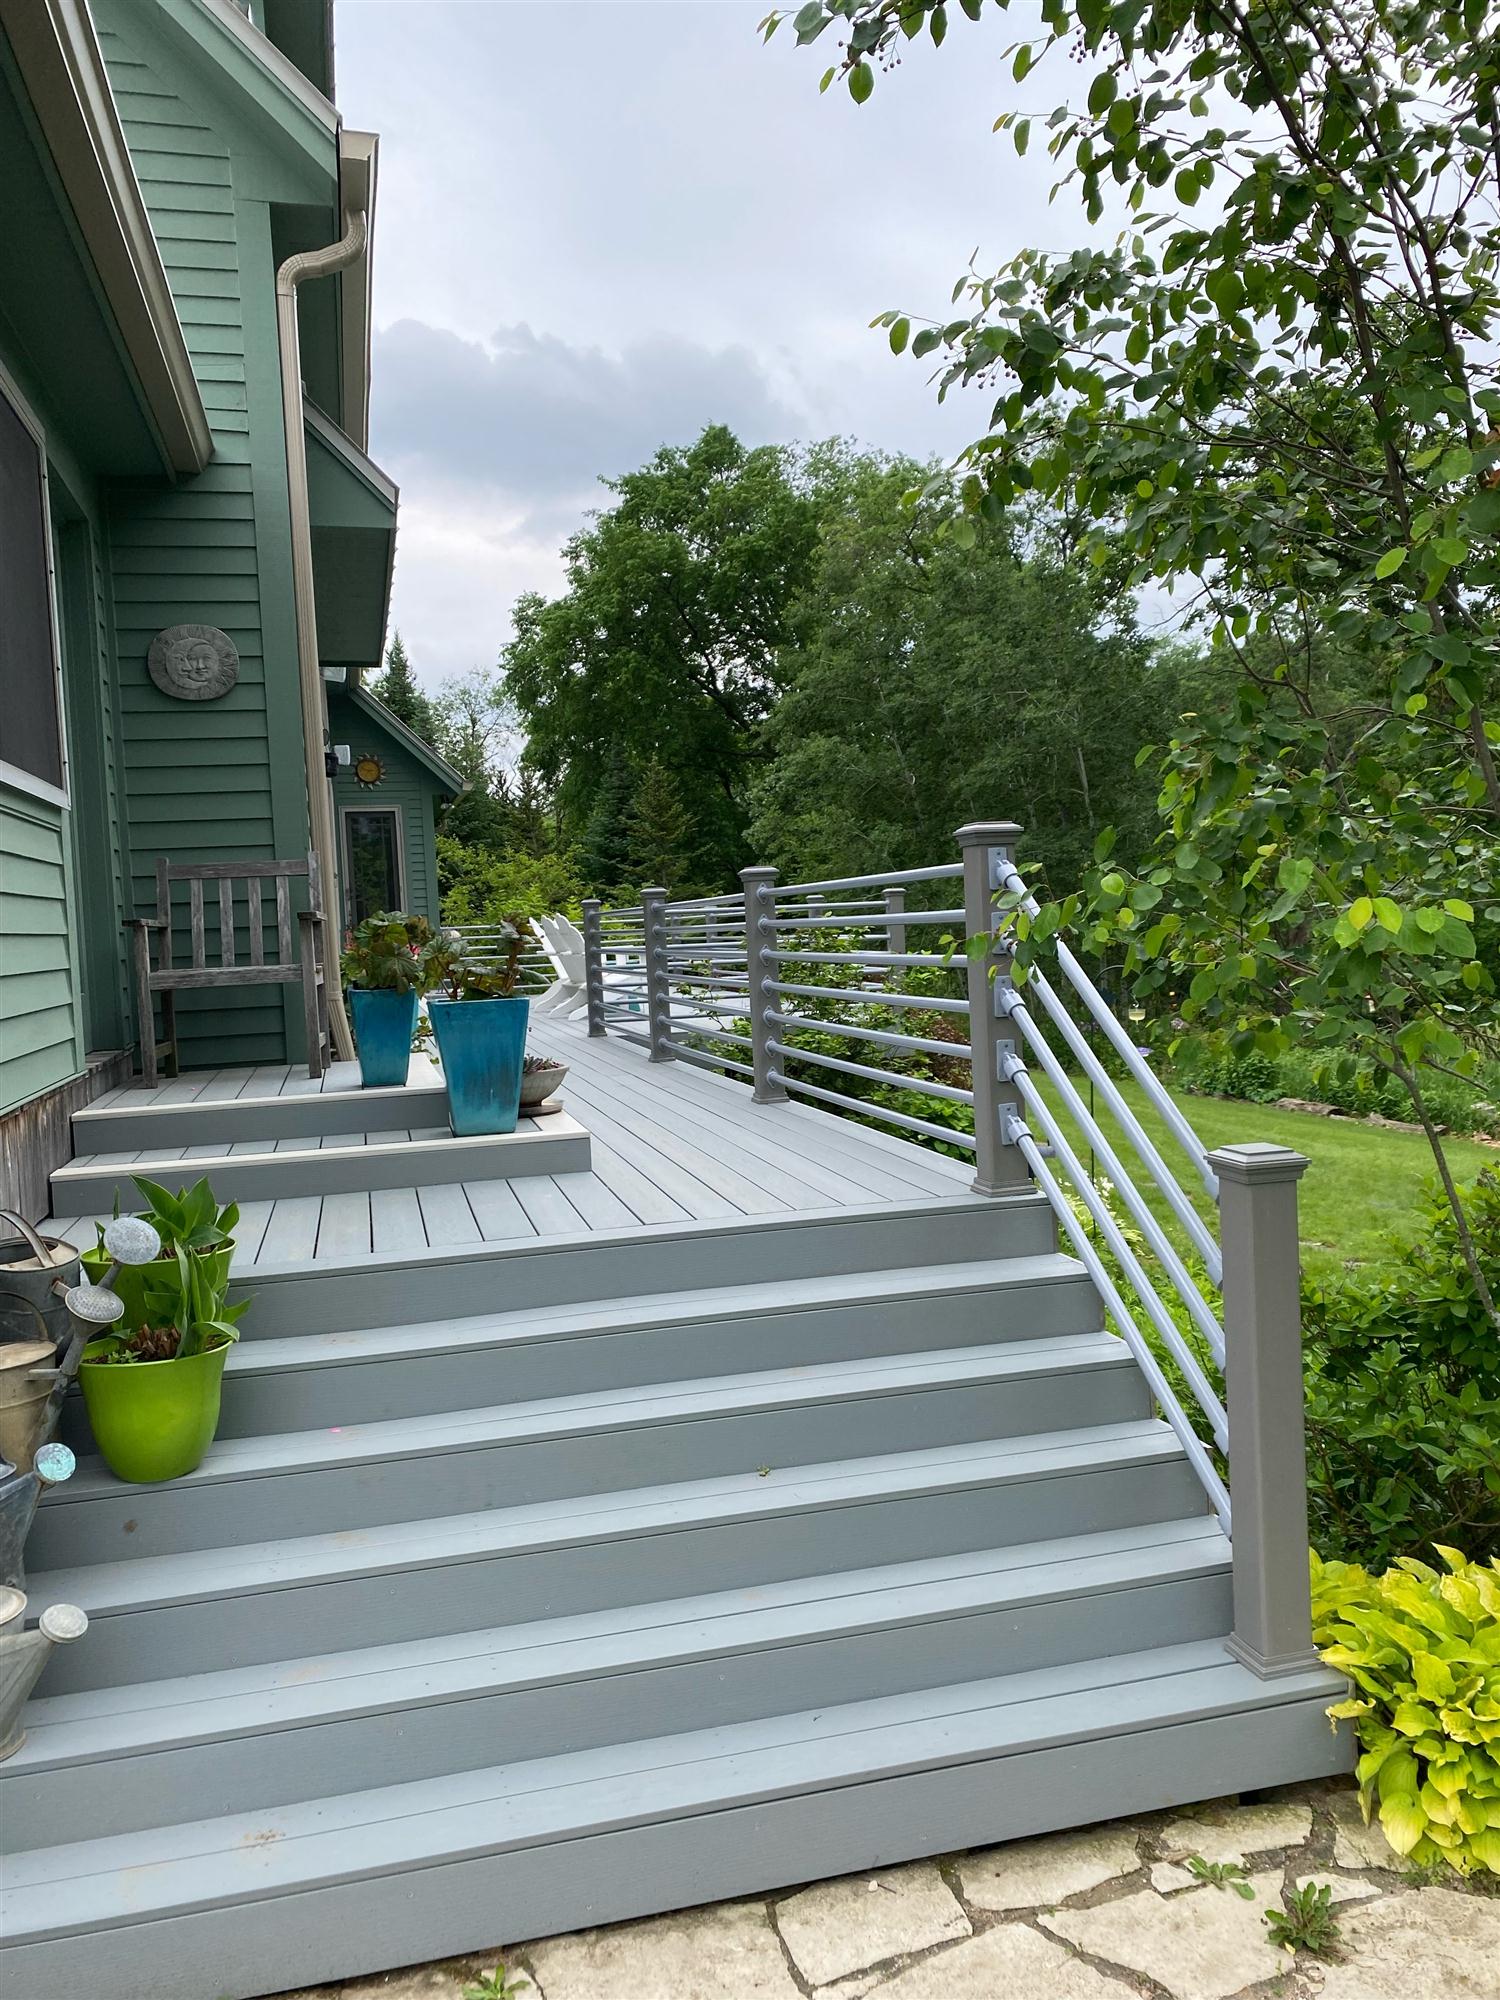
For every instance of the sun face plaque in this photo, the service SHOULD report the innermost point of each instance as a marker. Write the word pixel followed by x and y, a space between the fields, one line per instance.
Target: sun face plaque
pixel 193 662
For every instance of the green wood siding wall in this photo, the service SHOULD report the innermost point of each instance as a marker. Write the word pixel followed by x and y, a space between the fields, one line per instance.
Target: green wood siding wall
pixel 40 1034
pixel 219 780
pixel 407 784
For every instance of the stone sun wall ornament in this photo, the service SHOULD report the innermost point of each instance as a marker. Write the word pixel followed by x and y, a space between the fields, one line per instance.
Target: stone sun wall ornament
pixel 193 662
pixel 368 769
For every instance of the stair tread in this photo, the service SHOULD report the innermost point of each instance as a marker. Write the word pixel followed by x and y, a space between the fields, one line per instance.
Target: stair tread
pixel 925 1282
pixel 127 1879
pixel 617 1409
pixel 78 1728
pixel 191 1575
pixel 86 1166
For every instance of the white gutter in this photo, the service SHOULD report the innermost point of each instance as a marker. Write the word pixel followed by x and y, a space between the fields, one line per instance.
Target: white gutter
pixel 296 270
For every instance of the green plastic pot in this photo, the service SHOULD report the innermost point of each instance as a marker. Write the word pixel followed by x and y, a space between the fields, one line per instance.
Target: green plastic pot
pixel 152 1420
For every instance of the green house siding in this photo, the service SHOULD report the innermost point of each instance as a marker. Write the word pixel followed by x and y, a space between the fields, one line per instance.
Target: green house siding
pixel 408 786
pixel 219 780
pixel 41 1039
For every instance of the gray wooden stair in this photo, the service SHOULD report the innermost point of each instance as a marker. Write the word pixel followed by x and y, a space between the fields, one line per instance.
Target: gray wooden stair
pixel 540 1584
pixel 148 1126
pixel 332 1163
pixel 247 1902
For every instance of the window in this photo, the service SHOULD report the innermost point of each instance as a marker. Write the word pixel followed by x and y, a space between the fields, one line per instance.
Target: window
pixel 372 860
pixel 30 715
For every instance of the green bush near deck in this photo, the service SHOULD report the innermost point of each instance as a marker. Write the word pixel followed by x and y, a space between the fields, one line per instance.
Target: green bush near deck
pixel 1423 1651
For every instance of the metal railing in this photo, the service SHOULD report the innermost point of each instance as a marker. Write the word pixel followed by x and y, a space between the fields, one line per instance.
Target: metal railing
pixel 486 944
pixel 819 990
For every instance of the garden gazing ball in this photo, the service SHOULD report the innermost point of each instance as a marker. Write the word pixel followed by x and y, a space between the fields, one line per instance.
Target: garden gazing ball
pixel 130 1239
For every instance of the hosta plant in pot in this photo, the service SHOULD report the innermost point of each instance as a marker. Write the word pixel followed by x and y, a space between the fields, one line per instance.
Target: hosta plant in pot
pixel 151 1387
pixel 385 970
pixel 479 1020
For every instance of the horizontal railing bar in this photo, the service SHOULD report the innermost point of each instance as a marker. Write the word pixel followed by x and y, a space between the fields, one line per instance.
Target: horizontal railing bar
pixel 721 1035
pixel 1171 1189
pixel 712 981
pixel 898 920
pixel 916 1003
pixel 886 1039
pixel 707 1061
pixel 948 871
pixel 918 1085
pixel 878 1111
pixel 859 958
pixel 1207 1398
pixel 1193 1446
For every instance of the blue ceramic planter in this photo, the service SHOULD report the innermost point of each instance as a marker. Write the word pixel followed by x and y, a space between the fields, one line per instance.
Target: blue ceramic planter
pixel 384 1023
pixel 482 1045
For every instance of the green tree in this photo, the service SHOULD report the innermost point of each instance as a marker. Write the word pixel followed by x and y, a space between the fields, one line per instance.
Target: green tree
pixel 659 830
pixel 474 725
pixel 398 689
pixel 1280 384
pixel 928 684
pixel 604 858
pixel 665 640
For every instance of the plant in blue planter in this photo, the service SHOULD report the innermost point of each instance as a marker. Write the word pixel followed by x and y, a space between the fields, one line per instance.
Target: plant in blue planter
pixel 386 970
pixel 479 1020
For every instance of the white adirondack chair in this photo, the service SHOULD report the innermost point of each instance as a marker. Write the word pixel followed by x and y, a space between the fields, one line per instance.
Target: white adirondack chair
pixel 563 944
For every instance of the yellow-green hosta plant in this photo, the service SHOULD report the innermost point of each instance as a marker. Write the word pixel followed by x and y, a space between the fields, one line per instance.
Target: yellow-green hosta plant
pixel 1423 1651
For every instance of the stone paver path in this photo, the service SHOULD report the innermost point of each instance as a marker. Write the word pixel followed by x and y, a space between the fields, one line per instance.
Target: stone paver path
pixel 1115 1912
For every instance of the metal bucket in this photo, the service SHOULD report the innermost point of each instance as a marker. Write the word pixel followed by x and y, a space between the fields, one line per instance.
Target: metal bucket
pixel 30 1265
pixel 27 1372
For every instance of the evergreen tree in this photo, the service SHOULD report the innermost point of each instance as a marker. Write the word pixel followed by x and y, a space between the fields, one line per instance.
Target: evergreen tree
pixel 398 689
pixel 604 854
pixel 659 830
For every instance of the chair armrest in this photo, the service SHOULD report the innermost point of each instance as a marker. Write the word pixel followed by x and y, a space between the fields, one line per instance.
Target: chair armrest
pixel 144 924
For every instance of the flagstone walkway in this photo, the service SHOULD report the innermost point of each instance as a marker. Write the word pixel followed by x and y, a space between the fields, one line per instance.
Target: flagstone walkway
pixel 1112 1913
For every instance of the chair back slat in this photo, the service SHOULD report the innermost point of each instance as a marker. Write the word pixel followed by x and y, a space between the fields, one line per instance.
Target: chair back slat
pixel 195 921
pixel 252 911
pixel 283 922
pixel 226 921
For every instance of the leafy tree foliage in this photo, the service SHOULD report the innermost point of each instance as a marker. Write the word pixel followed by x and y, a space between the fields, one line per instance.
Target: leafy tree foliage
pixel 604 857
pixel 398 689
pixel 1281 382
pixel 659 831
pixel 664 643
pixel 927 684
pixel 474 723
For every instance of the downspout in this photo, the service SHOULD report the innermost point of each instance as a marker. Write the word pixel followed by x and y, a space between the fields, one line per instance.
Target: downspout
pixel 303 265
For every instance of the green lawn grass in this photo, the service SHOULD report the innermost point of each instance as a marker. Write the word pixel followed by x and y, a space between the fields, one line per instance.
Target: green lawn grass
pixel 1365 1181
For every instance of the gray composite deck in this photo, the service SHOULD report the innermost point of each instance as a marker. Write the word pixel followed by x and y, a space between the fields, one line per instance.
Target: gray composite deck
pixel 671 1144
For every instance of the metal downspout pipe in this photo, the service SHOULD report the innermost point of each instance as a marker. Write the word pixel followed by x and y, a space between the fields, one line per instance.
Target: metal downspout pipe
pixel 303 265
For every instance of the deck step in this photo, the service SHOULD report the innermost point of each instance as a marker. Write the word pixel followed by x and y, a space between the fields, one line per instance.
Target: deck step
pixel 189 1611
pixel 418 1468
pixel 544 1273
pixel 252 1737
pixel 301 1382
pixel 345 1162
pixel 246 1903
pixel 147 1126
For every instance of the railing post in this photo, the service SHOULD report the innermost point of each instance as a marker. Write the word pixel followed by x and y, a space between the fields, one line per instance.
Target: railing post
pixel 658 974
pixel 1263 1376
pixel 895 906
pixel 593 964
pixel 760 912
pixel 998 1166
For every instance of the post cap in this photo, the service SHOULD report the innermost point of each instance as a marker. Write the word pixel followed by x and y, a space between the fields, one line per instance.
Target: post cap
pixel 989 833
pixel 1257 1163
pixel 759 874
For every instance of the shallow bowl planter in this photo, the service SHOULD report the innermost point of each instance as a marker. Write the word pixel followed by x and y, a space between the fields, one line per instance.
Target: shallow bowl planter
pixel 481 1045
pixel 152 1420
pixel 537 1085
pixel 384 1023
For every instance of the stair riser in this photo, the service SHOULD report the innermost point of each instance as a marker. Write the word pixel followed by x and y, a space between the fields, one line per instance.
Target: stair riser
pixel 134 1522
pixel 431 1738
pixel 311 1115
pixel 366 1610
pixel 418 1384
pixel 397 1291
pixel 469 1902
pixel 332 1170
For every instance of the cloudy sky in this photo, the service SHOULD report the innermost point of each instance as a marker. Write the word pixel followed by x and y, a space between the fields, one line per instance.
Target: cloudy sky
pixel 603 224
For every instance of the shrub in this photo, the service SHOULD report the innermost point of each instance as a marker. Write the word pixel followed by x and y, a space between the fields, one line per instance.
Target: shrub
pixel 1403 1396
pixel 1423 1651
